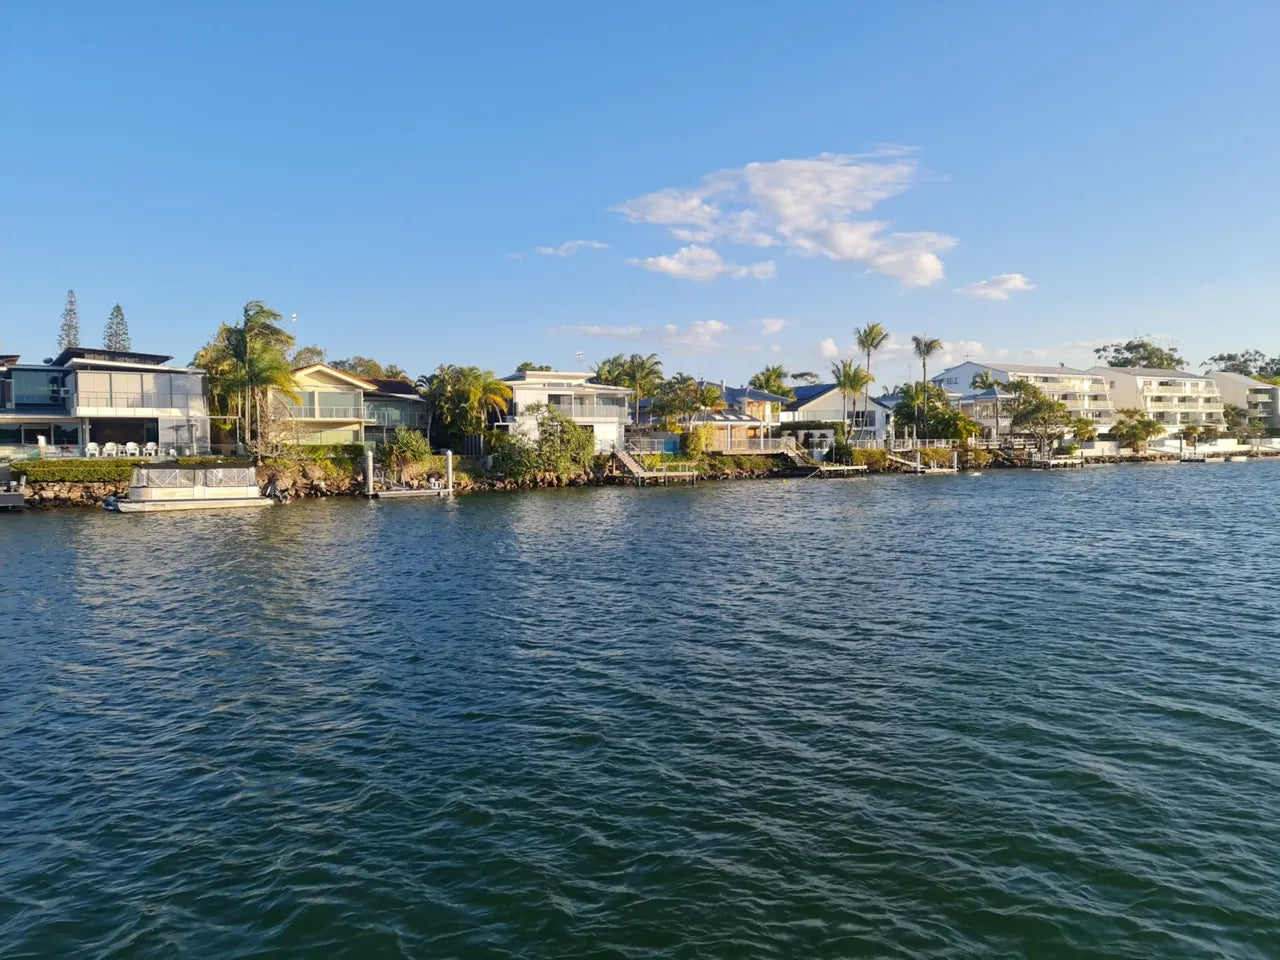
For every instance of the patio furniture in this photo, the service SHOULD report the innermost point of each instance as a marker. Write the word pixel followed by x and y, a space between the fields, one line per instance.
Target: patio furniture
pixel 92 450
pixel 110 450
pixel 131 449
pixel 152 449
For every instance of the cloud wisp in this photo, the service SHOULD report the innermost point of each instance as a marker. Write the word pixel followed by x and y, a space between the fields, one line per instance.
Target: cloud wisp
pixel 998 287
pixel 812 207
pixel 571 247
pixel 701 264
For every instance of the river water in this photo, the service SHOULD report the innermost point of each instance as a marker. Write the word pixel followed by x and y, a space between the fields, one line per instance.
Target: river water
pixel 1020 714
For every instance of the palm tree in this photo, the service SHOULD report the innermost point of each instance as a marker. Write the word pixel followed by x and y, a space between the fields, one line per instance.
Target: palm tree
pixel 985 380
pixel 643 375
pixel 850 379
pixel 1084 429
pixel 710 399
pixel 924 348
pixel 609 370
pixel 869 339
pixel 772 379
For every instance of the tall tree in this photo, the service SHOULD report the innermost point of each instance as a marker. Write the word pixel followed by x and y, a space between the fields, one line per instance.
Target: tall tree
pixel 849 379
pixel 772 379
pixel 643 375
pixel 1139 352
pixel 985 380
pixel 1247 362
pixel 610 370
pixel 69 333
pixel 805 376
pixel 1133 428
pixel 870 339
pixel 116 334
pixel 924 348
pixel 306 356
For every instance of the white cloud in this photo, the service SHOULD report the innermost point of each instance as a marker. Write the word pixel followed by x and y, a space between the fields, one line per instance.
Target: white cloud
pixel 998 287
pixel 701 264
pixel 828 348
pixel 700 335
pixel 570 247
pixel 807 206
pixel 772 325
pixel 590 330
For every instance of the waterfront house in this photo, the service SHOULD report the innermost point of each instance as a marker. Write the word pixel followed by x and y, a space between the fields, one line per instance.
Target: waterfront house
pixel 747 424
pixel 826 403
pixel 989 407
pixel 1174 398
pixel 601 408
pixel 1084 392
pixel 330 407
pixel 393 403
pixel 1260 400
pixel 86 398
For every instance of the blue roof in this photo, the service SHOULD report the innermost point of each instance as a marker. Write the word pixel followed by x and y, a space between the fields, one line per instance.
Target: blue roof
pixel 807 392
pixel 735 394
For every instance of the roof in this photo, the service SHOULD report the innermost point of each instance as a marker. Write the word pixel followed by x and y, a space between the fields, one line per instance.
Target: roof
pixel 1031 368
pixel 340 374
pixel 395 387
pixel 807 393
pixel 723 416
pixel 991 393
pixel 1240 378
pixel 114 356
pixel 8 359
pixel 888 400
pixel 735 394
pixel 547 375
pixel 1151 372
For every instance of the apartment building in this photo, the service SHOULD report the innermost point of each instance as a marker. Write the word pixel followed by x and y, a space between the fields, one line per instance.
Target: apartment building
pixel 1260 400
pixel 1174 398
pixel 1084 392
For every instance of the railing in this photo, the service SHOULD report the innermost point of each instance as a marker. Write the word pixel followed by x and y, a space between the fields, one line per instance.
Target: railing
pixel 395 418
pixel 591 410
pixel 755 445
pixel 646 445
pixel 153 401
pixel 326 413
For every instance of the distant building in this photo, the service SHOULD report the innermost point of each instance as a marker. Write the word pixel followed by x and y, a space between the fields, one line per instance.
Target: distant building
pixel 1261 400
pixel 89 395
pixel 330 407
pixel 391 404
pixel 1084 392
pixel 1174 398
pixel 600 408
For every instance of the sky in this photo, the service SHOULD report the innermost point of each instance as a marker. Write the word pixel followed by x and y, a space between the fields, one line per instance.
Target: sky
pixel 728 185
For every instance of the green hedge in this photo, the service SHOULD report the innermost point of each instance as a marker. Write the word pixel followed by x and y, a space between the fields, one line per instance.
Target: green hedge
pixel 76 471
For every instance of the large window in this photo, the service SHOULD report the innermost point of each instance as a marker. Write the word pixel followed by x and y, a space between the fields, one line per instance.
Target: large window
pixel 36 386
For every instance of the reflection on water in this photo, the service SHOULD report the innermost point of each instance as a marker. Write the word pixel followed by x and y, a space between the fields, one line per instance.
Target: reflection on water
pixel 1020 714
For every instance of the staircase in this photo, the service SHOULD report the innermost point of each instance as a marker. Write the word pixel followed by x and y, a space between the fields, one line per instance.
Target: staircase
pixel 797 458
pixel 630 464
pixel 908 465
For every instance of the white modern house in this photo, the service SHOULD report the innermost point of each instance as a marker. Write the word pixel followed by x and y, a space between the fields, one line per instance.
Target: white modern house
pixel 600 408
pixel 1260 400
pixel 826 403
pixel 91 396
pixel 1174 398
pixel 1085 392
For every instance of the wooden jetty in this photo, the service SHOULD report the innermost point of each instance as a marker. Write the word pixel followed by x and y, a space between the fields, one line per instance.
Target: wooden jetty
pixel 643 477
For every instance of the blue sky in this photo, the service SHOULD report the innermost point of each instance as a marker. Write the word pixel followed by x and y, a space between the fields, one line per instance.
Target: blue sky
pixel 388 172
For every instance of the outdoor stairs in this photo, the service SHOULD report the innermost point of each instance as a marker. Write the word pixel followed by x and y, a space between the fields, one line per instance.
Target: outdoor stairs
pixel 630 464
pixel 641 476
pixel 797 458
pixel 909 465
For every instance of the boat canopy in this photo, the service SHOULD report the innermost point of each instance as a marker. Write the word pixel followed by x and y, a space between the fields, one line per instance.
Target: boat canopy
pixel 203 475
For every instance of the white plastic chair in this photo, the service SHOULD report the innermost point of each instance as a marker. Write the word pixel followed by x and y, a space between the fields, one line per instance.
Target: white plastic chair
pixel 151 449
pixel 91 450
pixel 131 449
pixel 109 449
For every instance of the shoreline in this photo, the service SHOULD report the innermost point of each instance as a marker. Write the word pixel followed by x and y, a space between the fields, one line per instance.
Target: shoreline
pixel 309 482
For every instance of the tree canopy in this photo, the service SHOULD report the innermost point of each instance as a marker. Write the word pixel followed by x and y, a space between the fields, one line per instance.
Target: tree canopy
pixel 1139 352
pixel 772 379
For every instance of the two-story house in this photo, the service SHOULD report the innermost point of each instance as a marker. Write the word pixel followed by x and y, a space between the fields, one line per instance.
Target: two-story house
pixel 1174 398
pixel 599 407
pixel 330 407
pixel 827 403
pixel 747 424
pixel 88 395
pixel 393 403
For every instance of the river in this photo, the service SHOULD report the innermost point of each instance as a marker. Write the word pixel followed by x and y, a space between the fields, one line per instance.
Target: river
pixel 1021 714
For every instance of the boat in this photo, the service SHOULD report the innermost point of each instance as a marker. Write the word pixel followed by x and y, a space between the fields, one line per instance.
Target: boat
pixel 1238 458
pixel 13 493
pixel 154 488
pixel 1215 459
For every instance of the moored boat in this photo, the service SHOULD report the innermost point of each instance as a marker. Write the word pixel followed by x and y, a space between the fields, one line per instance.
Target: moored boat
pixel 166 487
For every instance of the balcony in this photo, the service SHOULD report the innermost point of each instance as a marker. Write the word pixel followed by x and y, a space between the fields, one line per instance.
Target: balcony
pixel 753 445
pixel 591 410
pixel 138 404
pixel 327 413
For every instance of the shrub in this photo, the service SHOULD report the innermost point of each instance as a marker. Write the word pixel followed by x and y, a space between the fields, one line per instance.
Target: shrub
pixel 76 471
pixel 936 457
pixel 872 459
pixel 696 441
pixel 406 448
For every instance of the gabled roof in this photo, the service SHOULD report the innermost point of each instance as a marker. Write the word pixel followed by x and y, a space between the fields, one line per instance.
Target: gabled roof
pixel 1042 368
pixel 1228 375
pixel 340 374
pixel 807 393
pixel 723 416
pixel 991 393
pixel 737 394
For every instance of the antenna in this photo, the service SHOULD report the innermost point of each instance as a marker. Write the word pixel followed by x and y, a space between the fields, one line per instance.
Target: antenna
pixel 293 318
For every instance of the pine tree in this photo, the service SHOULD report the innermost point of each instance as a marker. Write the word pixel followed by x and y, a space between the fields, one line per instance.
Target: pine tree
pixel 69 335
pixel 116 335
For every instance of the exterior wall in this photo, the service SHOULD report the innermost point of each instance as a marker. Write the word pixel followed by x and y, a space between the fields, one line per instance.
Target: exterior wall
pixel 1175 399
pixel 829 408
pixel 602 409
pixel 1085 392
pixel 1261 400
pixel 330 409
